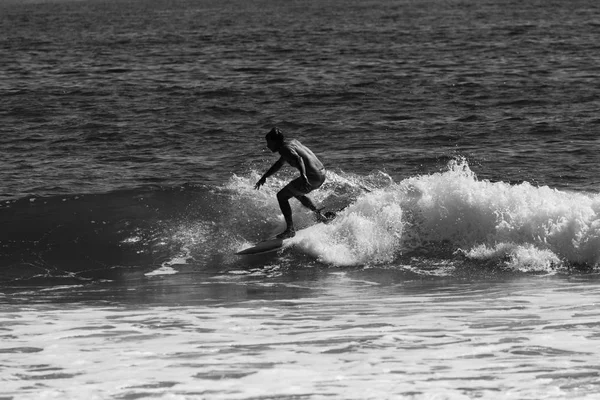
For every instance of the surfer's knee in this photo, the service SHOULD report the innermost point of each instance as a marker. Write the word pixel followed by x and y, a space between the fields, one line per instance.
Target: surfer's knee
pixel 284 195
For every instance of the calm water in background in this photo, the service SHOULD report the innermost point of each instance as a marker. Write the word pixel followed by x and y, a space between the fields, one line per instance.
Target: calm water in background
pixel 132 136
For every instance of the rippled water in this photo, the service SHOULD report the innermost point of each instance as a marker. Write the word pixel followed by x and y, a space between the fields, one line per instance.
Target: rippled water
pixel 344 334
pixel 104 95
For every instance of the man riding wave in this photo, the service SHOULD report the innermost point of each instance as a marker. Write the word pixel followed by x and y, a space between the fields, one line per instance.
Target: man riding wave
pixel 312 176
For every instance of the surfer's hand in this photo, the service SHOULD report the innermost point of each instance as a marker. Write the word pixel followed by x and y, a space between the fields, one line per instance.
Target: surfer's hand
pixel 260 182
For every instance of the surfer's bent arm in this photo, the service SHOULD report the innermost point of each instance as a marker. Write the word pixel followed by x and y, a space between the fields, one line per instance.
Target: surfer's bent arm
pixel 274 168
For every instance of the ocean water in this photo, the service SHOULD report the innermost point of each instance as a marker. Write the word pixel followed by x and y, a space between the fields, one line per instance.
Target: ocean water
pixel 461 146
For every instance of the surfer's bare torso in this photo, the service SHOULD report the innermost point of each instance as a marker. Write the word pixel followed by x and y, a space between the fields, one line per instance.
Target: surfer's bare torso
pixel 295 153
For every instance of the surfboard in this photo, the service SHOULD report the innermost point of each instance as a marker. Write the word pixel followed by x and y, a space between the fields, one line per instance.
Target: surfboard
pixel 263 247
pixel 273 244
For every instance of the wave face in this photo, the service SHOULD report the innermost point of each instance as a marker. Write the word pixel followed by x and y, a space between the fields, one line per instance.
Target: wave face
pixel 424 222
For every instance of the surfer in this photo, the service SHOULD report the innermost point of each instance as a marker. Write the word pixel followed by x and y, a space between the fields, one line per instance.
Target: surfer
pixel 312 176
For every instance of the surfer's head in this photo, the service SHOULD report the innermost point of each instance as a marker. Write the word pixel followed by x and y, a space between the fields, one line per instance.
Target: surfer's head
pixel 274 139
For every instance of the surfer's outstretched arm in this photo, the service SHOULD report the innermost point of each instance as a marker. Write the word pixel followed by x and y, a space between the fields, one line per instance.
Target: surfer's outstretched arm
pixel 274 168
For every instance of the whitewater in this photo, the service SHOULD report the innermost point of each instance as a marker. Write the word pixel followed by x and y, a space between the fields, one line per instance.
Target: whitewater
pixel 450 214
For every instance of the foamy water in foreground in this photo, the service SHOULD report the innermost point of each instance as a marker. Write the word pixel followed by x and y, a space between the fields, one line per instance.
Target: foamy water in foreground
pixel 326 334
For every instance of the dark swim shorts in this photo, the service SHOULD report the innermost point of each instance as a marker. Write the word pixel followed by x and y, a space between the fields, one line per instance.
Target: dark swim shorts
pixel 298 188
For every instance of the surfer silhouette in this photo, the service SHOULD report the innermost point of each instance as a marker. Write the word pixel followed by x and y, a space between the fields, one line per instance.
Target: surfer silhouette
pixel 312 176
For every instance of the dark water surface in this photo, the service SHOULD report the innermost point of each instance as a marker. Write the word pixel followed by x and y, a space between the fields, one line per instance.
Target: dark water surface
pixel 102 95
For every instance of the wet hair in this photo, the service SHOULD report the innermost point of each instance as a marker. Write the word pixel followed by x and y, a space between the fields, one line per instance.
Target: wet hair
pixel 275 135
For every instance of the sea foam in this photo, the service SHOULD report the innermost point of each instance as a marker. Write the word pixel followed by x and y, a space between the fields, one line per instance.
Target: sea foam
pixel 518 226
pixel 523 226
pixel 368 231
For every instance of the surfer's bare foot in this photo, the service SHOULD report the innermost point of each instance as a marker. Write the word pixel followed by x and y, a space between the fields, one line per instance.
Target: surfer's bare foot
pixel 325 217
pixel 288 233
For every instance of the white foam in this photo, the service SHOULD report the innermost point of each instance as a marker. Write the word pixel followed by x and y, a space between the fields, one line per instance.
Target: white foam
pixel 534 226
pixel 368 231
pixel 522 226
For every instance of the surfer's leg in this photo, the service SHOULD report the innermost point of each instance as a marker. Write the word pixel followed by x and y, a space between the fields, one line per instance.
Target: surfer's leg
pixel 283 197
pixel 307 202
pixel 319 216
pixel 299 190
